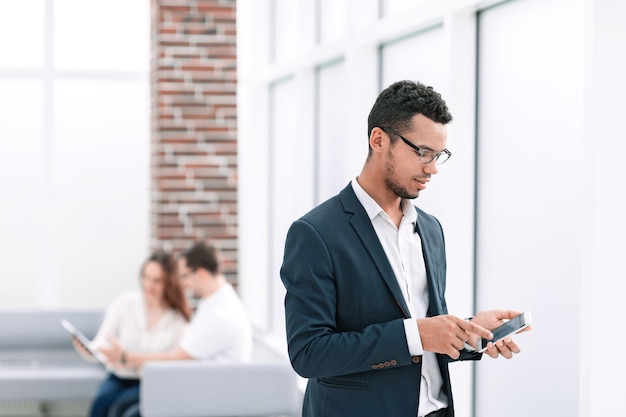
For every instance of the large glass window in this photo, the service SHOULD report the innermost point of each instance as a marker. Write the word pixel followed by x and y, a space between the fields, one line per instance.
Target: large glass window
pixel 418 57
pixel 396 7
pixel 74 150
pixel 290 185
pixel 100 165
pixel 284 30
pixel 283 169
pixel 332 20
pixel 331 175
pixel 23 21
pixel 22 190
pixel 529 193
pixel 94 35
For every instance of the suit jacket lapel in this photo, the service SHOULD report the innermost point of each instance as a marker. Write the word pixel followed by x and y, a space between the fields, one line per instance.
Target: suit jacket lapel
pixel 363 227
pixel 434 305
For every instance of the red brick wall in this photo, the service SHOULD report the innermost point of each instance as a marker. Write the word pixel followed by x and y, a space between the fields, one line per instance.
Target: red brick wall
pixel 194 126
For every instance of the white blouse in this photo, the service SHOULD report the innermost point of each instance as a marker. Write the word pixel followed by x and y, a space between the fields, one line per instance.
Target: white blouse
pixel 125 319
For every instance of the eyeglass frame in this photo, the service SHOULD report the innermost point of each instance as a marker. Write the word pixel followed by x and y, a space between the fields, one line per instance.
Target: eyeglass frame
pixel 187 274
pixel 421 152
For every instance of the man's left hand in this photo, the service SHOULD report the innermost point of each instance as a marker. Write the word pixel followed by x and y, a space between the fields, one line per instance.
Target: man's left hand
pixel 490 319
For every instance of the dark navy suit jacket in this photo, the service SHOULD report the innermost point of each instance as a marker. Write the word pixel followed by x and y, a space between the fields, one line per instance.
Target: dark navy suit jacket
pixel 345 310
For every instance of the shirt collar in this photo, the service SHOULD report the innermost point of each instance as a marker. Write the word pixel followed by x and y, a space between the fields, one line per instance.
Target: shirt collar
pixel 373 209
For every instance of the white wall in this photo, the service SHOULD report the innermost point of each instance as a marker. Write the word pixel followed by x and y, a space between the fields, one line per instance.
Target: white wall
pixel 603 226
pixel 531 200
pixel 74 150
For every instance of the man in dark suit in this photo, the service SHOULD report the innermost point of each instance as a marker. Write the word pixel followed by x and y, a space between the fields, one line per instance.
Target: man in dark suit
pixel 365 274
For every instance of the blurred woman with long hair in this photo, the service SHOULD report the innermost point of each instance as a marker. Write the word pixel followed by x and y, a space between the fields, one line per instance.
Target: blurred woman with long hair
pixel 152 319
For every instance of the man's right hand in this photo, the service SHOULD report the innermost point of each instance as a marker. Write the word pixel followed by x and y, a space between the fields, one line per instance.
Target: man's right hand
pixel 448 334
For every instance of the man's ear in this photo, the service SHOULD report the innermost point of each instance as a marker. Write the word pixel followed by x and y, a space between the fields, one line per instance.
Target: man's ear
pixel 378 138
pixel 202 273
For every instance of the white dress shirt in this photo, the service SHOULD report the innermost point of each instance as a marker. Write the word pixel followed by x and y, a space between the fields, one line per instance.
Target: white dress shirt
pixel 219 330
pixel 403 248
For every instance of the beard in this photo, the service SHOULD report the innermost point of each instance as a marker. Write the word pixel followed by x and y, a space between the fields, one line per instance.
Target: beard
pixel 393 185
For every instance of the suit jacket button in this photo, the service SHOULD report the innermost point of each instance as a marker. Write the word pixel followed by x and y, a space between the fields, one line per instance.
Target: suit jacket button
pixel 394 362
pixel 387 363
pixel 374 366
pixel 416 359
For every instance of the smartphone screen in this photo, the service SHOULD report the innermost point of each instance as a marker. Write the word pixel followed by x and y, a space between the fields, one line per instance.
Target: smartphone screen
pixel 512 326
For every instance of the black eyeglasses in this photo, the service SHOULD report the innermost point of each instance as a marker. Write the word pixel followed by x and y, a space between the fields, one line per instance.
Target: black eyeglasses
pixel 425 156
pixel 184 276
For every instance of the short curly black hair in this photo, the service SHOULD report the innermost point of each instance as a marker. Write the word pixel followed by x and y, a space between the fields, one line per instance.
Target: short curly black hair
pixel 202 255
pixel 397 104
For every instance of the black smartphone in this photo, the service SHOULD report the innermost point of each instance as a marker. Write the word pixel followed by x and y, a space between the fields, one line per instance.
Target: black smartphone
pixel 514 325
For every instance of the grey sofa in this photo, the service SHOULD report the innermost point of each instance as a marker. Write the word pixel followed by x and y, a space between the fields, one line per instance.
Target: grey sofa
pixel 37 359
pixel 267 386
pixel 38 363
